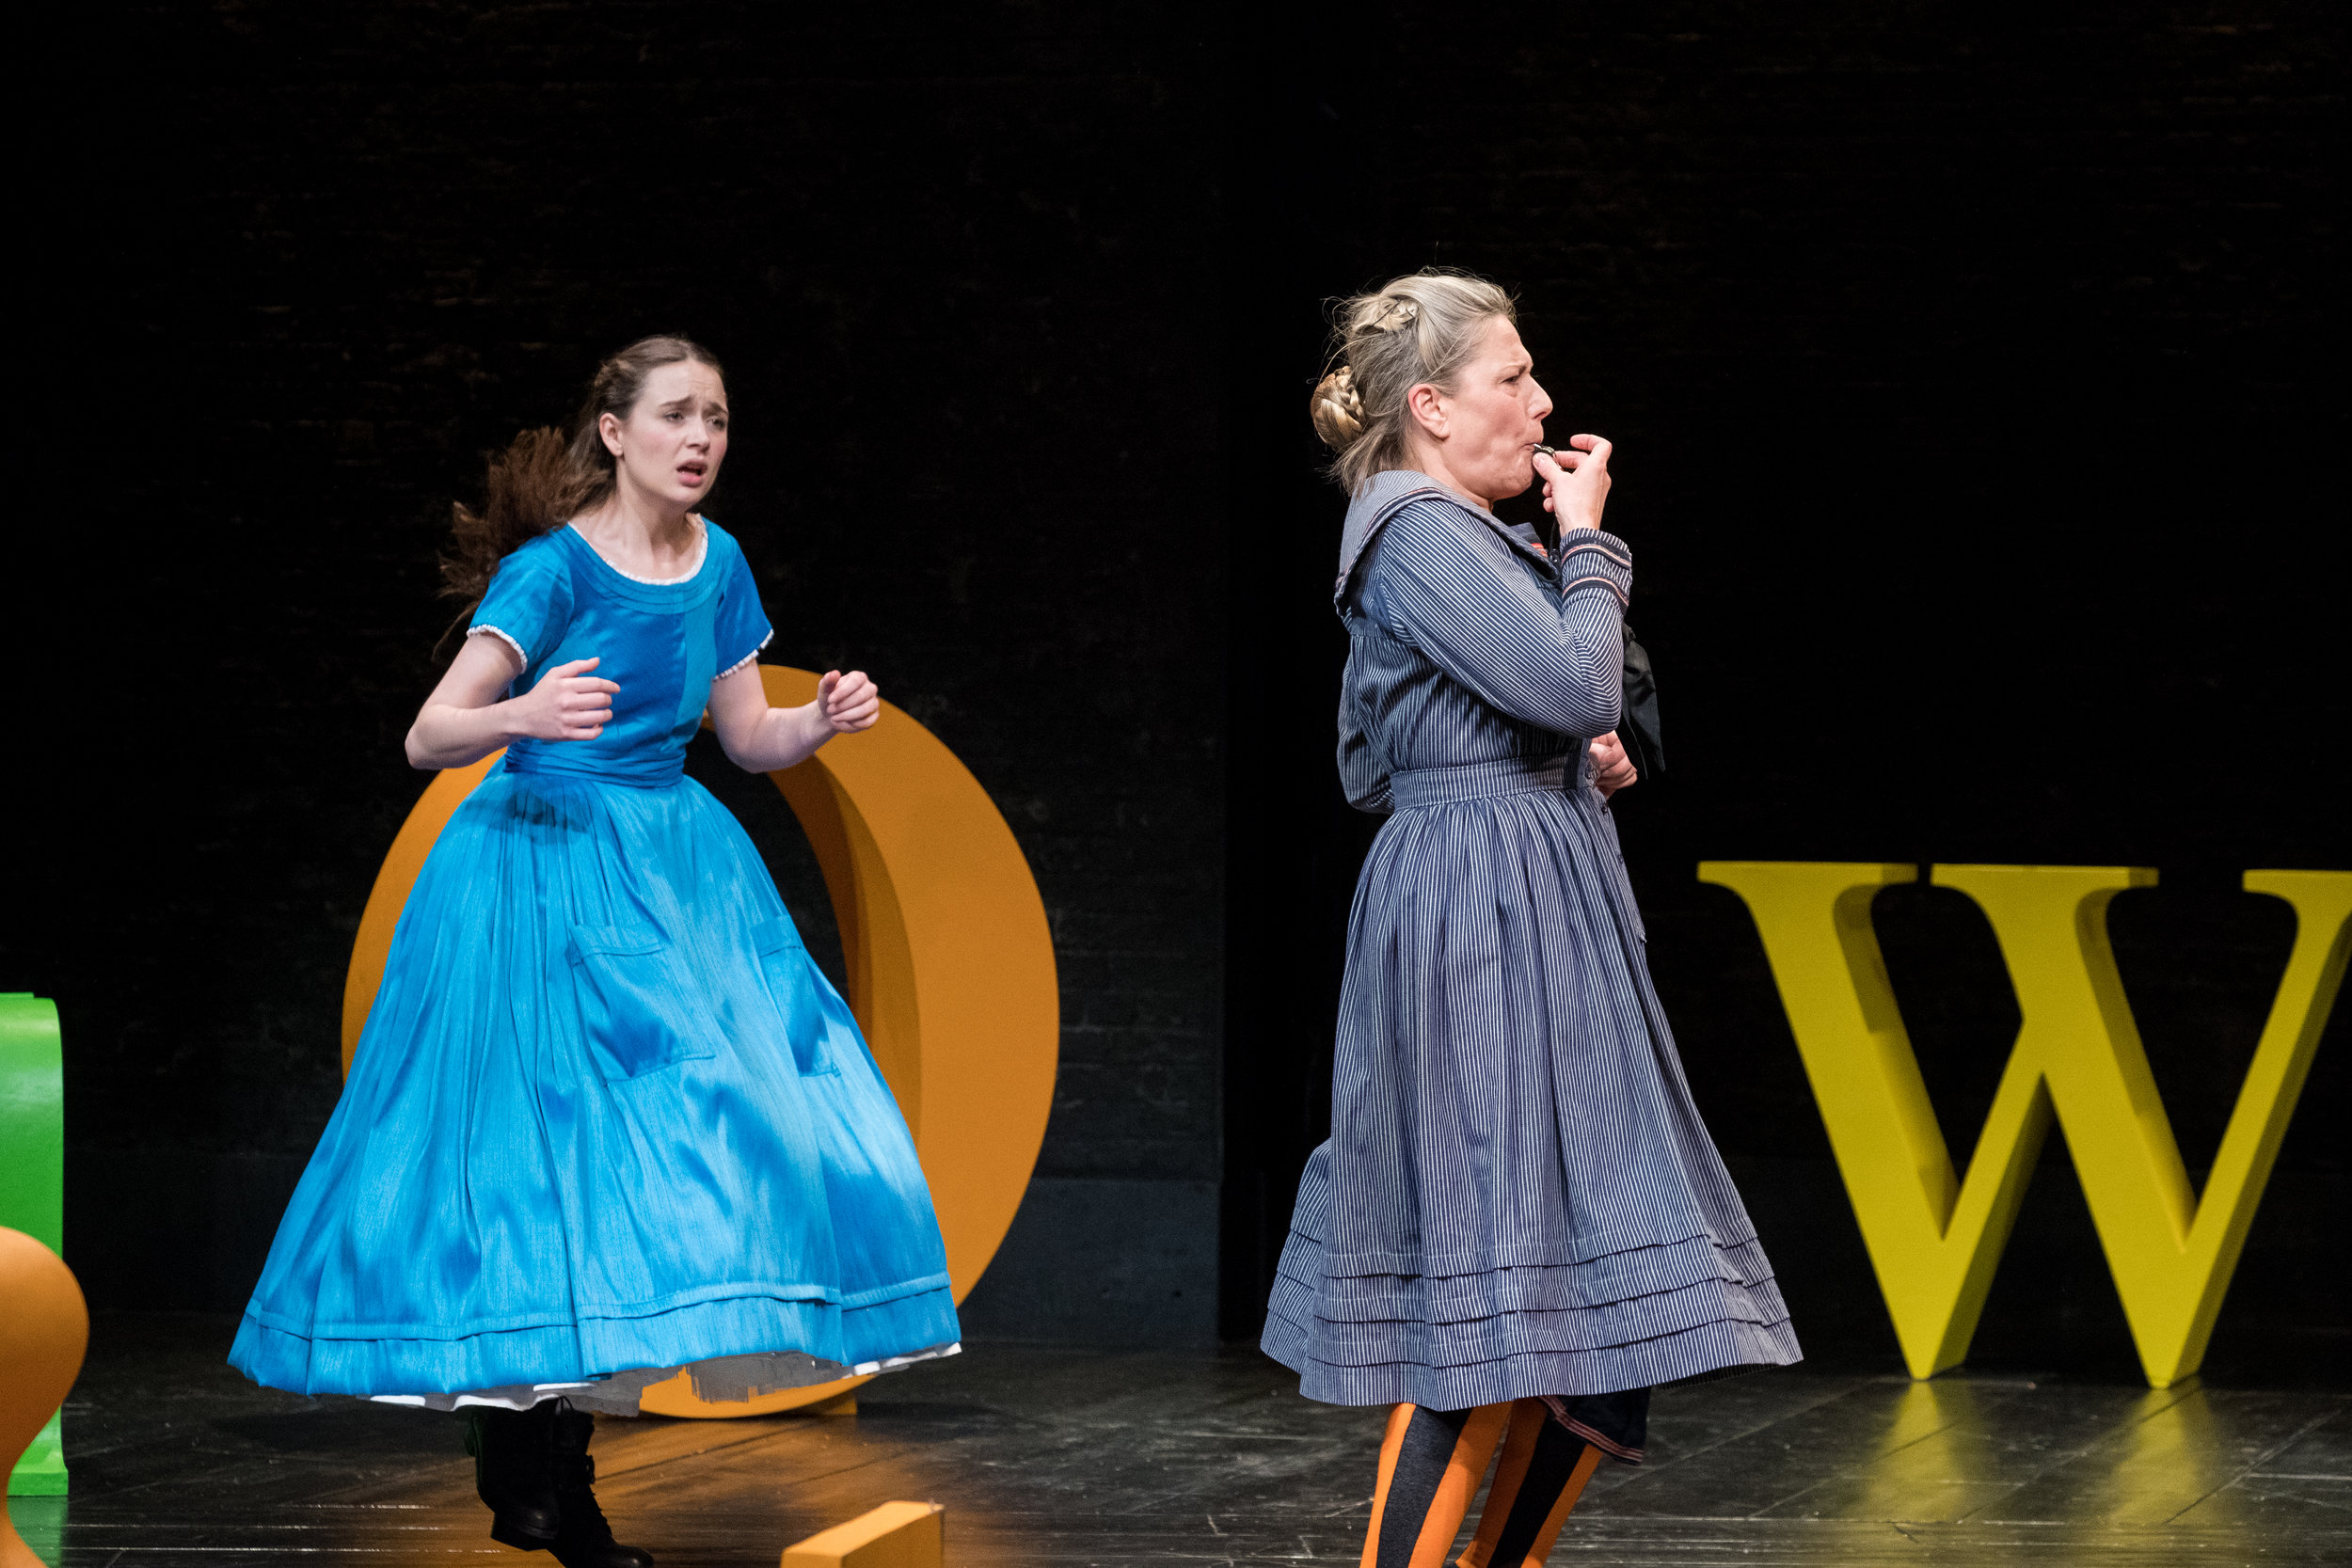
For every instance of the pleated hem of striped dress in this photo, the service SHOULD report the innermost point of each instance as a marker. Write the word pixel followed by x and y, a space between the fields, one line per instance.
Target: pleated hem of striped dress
pixel 1637 1318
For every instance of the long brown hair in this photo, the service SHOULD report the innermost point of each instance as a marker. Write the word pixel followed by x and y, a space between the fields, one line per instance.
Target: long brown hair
pixel 545 478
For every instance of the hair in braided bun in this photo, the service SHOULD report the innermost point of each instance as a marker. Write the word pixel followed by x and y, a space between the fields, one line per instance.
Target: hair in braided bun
pixel 1421 327
pixel 1338 412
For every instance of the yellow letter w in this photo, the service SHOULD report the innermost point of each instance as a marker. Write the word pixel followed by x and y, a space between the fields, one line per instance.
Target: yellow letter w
pixel 1934 1240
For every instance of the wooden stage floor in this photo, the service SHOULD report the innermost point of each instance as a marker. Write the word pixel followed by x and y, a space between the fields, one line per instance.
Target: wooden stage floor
pixel 1047 1457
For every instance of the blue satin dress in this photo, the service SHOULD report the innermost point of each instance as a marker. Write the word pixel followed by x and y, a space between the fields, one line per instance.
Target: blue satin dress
pixel 607 1120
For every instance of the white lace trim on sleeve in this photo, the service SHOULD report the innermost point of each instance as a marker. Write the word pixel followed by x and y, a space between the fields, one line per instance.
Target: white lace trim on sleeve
pixel 521 657
pixel 745 659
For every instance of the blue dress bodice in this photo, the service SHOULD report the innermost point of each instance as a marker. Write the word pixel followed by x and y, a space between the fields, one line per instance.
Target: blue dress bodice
pixel 556 600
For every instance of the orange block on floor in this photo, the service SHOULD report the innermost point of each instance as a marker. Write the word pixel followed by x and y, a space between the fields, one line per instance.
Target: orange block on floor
pixel 896 1535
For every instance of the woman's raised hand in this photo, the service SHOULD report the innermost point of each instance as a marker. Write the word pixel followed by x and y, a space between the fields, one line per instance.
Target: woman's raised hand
pixel 848 703
pixel 568 703
pixel 1576 481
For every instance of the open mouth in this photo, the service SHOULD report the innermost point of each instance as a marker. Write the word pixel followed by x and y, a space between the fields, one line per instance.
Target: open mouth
pixel 692 473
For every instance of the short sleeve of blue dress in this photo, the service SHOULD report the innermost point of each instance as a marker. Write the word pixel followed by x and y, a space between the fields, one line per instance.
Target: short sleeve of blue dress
pixel 529 604
pixel 741 626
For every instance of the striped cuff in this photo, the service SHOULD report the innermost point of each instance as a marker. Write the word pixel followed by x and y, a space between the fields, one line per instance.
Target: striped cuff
pixel 1587 558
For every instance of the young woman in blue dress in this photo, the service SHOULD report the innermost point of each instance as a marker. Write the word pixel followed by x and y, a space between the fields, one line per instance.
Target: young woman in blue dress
pixel 606 1122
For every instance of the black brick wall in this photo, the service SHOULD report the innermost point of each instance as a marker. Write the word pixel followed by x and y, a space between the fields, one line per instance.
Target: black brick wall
pixel 329 256
pixel 1975 378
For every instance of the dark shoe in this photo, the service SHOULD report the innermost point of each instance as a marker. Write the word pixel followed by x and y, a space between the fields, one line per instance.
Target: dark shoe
pixel 583 1540
pixel 514 1472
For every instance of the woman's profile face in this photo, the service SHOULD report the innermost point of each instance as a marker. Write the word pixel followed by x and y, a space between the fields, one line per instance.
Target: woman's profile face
pixel 676 435
pixel 1495 416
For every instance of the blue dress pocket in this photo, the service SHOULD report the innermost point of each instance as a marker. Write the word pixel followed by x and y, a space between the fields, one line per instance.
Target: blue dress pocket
pixel 640 1009
pixel 786 963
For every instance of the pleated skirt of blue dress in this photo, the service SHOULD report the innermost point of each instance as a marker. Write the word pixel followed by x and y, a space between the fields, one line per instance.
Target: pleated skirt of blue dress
pixel 1518 1198
pixel 607 1120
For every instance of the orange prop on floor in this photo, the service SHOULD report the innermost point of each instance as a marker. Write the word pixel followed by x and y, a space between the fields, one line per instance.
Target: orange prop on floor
pixel 896 1535
pixel 44 1329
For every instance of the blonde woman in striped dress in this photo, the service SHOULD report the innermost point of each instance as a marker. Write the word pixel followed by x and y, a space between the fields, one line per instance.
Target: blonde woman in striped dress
pixel 1520 1226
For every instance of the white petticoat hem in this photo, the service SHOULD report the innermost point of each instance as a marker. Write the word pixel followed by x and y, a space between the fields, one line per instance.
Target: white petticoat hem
pixel 727 1380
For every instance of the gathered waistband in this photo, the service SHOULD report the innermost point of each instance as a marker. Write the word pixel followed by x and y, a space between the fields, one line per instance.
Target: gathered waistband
pixel 529 765
pixel 1478 780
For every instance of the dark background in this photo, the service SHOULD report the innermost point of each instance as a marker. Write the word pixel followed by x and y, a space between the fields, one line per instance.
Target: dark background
pixel 1976 378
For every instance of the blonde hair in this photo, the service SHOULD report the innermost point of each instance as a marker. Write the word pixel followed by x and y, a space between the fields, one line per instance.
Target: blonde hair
pixel 1422 326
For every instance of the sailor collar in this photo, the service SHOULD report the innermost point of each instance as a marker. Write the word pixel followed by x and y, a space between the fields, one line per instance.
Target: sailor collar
pixel 1390 492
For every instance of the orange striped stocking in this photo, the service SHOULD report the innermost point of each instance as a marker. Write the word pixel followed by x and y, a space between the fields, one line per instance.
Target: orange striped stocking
pixel 1542 1473
pixel 1431 1463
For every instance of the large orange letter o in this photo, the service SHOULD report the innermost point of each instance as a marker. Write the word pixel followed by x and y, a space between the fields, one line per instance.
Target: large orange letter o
pixel 950 968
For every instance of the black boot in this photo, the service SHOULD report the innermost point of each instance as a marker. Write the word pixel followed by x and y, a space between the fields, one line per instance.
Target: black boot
pixel 514 1472
pixel 583 1540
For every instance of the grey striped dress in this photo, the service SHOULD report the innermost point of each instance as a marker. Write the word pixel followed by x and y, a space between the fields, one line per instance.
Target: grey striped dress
pixel 1517 1198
